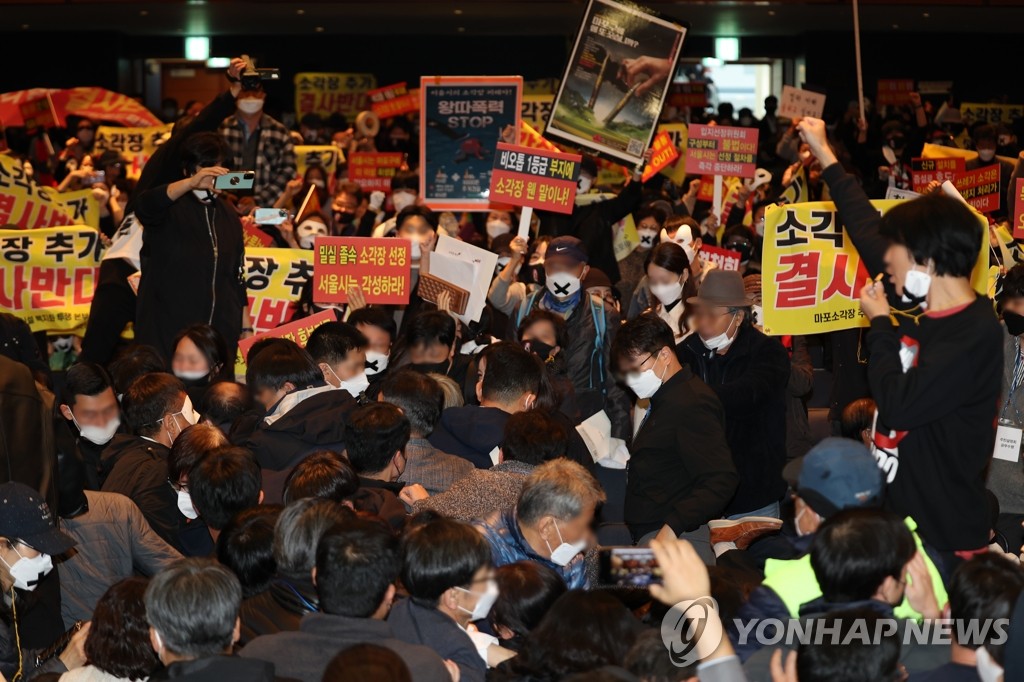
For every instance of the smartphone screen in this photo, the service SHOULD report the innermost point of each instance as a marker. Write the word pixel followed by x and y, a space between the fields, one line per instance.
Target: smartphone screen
pixel 629 567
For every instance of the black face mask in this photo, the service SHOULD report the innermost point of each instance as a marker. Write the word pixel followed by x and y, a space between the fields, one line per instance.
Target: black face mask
pixel 1014 323
pixel 743 248
pixel 532 274
pixel 344 218
pixel 538 348
pixel 897 142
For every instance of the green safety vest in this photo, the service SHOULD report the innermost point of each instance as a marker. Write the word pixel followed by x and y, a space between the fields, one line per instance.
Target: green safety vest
pixel 794 582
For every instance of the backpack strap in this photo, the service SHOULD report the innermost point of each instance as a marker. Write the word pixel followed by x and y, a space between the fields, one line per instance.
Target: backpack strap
pixel 526 305
pixel 597 312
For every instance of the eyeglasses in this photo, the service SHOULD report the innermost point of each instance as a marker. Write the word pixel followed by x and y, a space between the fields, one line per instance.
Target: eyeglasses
pixel 180 488
pixel 636 369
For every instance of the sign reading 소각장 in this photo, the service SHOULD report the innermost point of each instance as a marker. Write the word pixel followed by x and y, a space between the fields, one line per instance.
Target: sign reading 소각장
pixel 381 267
pixel 537 178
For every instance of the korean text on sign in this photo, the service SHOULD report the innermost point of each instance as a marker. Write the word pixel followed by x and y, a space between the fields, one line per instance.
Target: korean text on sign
pixel 327 93
pixel 812 274
pixel 725 259
pixel 48 276
pixel 393 100
pixel 523 176
pixel 926 171
pixel 663 155
pixel 297 331
pixel 980 188
pixel 799 103
pixel 274 280
pixel 721 150
pixel 30 206
pixel 136 145
pixel 380 267
pixel 894 91
pixel 373 171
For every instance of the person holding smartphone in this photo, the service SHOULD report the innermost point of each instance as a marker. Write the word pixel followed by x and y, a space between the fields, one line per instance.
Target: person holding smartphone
pixel 192 253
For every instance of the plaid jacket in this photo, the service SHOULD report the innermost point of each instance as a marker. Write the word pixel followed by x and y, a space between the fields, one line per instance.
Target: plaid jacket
pixel 275 157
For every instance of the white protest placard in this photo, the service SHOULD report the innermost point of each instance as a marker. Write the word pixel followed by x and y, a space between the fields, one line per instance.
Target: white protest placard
pixel 466 266
pixel 797 103
pixel 896 193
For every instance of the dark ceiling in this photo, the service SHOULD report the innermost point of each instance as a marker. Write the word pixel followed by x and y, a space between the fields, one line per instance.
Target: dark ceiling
pixel 500 18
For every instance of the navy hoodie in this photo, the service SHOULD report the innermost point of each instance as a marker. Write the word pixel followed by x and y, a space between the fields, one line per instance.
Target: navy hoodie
pixel 470 432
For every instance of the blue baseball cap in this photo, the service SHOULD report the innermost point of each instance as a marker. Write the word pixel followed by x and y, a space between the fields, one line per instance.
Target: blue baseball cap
pixel 25 517
pixel 567 249
pixel 837 473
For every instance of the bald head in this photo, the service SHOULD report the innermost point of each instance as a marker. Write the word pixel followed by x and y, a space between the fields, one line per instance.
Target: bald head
pixel 223 403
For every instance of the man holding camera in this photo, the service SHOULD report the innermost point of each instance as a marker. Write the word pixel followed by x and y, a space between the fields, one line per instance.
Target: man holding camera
pixel 258 142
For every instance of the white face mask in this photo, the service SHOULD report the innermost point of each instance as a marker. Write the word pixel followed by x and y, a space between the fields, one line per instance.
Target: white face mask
pixel 99 435
pixel 644 384
pixel 565 552
pixel 308 231
pixel 647 237
pixel 376 362
pixel 205 196
pixel 250 105
pixel 916 285
pixel 27 573
pixel 417 250
pixel 191 375
pixel 667 293
pixel 562 285
pixel 759 227
pixel 187 413
pixel 988 669
pixel 584 184
pixel 796 523
pixel 496 228
pixel 722 341
pixel 986 154
pixel 691 253
pixel 403 200
pixel 185 506
pixel 356 385
pixel 484 602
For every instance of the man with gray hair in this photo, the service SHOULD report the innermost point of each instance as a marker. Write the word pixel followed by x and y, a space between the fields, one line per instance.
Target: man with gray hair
pixel 292 594
pixel 550 523
pixel 192 609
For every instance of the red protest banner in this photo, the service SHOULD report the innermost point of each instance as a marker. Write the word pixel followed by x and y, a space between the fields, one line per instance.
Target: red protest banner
pixel 1018 210
pixel 894 91
pixel 38 113
pixel 393 100
pixel 380 267
pixel 688 95
pixel 724 258
pixel 297 331
pixel 663 155
pixel 707 188
pixel 721 150
pixel 254 237
pixel 980 188
pixel 925 171
pixel 373 170
pixel 537 178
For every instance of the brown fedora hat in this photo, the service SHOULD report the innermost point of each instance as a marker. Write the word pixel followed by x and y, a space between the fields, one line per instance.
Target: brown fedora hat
pixel 722 288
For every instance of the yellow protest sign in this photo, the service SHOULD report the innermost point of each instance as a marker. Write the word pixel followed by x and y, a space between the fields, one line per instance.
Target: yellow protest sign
pixel 796 191
pixel 938 151
pixel 30 206
pixel 328 93
pixel 990 113
pixel 677 131
pixel 541 86
pixel 326 156
pixel 82 207
pixel 48 275
pixel 626 237
pixel 812 274
pixel 136 145
pixel 535 110
pixel 274 279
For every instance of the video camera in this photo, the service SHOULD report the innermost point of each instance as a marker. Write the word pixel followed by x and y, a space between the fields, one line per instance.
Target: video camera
pixel 252 78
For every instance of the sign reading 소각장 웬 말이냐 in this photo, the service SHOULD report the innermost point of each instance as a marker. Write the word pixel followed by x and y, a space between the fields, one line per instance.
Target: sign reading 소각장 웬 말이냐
pixel 721 150
pixel 380 267
pixel 462 120
pixel 812 274
pixel 617 80
pixel 534 178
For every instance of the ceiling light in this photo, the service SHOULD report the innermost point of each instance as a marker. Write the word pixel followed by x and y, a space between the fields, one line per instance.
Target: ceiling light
pixel 197 48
